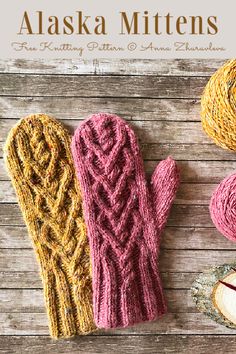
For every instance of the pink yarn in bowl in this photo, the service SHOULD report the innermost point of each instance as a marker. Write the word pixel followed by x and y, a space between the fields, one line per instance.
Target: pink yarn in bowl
pixel 223 207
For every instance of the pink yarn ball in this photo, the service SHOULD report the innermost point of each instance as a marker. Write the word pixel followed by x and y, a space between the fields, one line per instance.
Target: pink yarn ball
pixel 223 207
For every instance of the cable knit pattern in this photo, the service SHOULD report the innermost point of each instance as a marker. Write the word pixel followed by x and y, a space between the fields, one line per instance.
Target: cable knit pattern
pixel 223 207
pixel 124 219
pixel 40 164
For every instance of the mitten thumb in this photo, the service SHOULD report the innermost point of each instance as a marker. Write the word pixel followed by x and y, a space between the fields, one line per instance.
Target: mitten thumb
pixel 164 184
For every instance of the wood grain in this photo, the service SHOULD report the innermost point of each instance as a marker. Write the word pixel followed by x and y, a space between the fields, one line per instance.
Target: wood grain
pixel 79 108
pixel 186 152
pixel 161 99
pixel 125 344
pixel 177 261
pixel 194 67
pixel 172 238
pixel 191 171
pixel 20 280
pixel 32 301
pixel 172 323
pixel 102 86
pixel 206 151
pixel 181 215
pixel 31 280
pixel 147 131
pixel 188 193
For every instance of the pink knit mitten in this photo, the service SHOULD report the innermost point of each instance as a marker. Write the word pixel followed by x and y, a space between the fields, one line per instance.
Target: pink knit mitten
pixel 124 219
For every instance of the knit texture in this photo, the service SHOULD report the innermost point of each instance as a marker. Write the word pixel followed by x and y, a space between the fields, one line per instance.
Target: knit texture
pixel 40 164
pixel 223 207
pixel 219 106
pixel 124 220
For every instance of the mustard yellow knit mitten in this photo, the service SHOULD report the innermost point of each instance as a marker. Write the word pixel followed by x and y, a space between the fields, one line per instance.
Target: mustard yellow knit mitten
pixel 39 161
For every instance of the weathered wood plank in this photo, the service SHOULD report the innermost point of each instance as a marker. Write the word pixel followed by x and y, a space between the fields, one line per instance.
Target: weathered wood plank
pixel 21 280
pixel 206 151
pixel 32 301
pixel 172 238
pixel 180 280
pixel 181 215
pixel 7 193
pixel 193 152
pixel 193 260
pixel 80 108
pixel 171 323
pixel 195 238
pixel 192 194
pixel 102 86
pixel 3 172
pixel 147 131
pixel 201 171
pixel 22 301
pixel 132 344
pixel 202 67
pixel 190 215
pixel 14 237
pixel 188 194
pixel 6 212
pixel 191 171
pixel 31 280
pixel 204 172
pixel 16 260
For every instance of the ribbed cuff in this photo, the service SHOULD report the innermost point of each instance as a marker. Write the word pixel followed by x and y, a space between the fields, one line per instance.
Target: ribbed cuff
pixel 123 300
pixel 68 304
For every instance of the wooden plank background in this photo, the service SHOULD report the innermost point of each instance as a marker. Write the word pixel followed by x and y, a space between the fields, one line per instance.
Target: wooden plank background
pixel 161 99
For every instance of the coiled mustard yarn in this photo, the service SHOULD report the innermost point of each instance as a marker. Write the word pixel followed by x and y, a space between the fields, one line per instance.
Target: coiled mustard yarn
pixel 219 106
